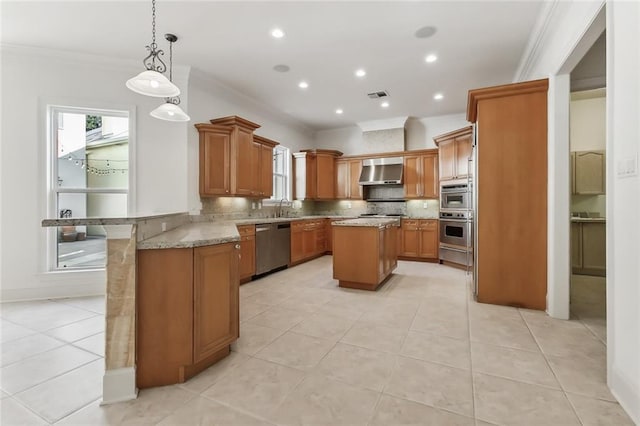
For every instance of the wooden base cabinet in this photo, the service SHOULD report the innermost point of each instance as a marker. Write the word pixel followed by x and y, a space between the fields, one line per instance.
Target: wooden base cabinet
pixel 420 239
pixel 247 252
pixel 187 313
pixel 588 248
pixel 308 240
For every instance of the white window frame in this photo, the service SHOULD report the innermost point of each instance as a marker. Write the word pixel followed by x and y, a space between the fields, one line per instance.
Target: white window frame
pixel 287 176
pixel 53 188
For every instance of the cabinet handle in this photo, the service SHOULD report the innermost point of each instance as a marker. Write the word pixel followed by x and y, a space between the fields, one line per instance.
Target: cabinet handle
pixel 237 246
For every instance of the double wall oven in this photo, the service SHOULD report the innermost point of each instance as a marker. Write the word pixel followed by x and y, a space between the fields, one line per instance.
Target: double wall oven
pixel 456 223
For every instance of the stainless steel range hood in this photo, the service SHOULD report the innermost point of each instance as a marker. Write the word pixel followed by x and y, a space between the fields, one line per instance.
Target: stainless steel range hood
pixel 381 171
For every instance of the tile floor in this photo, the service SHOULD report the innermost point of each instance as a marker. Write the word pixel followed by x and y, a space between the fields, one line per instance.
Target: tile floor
pixel 419 351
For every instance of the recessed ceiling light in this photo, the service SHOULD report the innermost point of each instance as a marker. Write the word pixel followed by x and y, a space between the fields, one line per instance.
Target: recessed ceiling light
pixel 360 73
pixel 339 111
pixel 425 32
pixel 431 58
pixel 277 33
pixel 385 105
pixel 438 96
pixel 303 85
pixel 281 68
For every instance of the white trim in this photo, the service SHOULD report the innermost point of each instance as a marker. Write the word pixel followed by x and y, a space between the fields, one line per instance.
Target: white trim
pixel 384 124
pixel 119 385
pixel 624 392
pixel 538 33
pixel 58 284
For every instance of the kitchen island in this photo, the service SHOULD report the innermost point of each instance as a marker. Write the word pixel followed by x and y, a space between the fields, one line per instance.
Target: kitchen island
pixel 365 251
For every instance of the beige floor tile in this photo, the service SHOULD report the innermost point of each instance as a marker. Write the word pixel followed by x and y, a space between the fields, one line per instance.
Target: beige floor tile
pixel 202 411
pixel 443 321
pixel 251 288
pixel 516 364
pixel 3 395
pixel 61 396
pixel 393 313
pixel 12 413
pixel 432 384
pixel 321 401
pixel 507 402
pixel 597 326
pixel 541 319
pixel 582 375
pixel 259 387
pixel 395 411
pixel 211 375
pixel 43 315
pixel 95 344
pixel 364 368
pixel 296 350
pixel 501 326
pixel 253 338
pixel 272 297
pixel 337 311
pixel 10 331
pixel 25 347
pixel 249 310
pixel 279 318
pixel 324 326
pixel 375 337
pixel 567 342
pixel 595 412
pixel 80 329
pixel 35 370
pixel 90 303
pixel 435 348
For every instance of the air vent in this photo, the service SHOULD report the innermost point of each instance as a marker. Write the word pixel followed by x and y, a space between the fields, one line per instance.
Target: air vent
pixel 380 94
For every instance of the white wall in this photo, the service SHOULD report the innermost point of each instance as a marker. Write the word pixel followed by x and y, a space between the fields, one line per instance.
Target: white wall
pixel 566 36
pixel 588 124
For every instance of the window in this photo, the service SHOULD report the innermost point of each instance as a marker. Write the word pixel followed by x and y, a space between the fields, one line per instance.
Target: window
pixel 90 178
pixel 281 173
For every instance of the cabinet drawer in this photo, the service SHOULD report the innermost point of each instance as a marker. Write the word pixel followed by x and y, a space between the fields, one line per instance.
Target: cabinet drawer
pixel 409 222
pixel 297 225
pixel 429 224
pixel 244 230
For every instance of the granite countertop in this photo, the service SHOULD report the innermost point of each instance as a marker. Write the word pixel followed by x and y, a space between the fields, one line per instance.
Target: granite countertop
pixel 256 220
pixel 78 221
pixel 589 219
pixel 193 235
pixel 368 222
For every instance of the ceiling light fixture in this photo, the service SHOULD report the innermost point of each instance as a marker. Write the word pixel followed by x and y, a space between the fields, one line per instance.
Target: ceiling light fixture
pixel 303 85
pixel 151 82
pixel 360 73
pixel 438 96
pixel 277 33
pixel 170 111
pixel 385 105
pixel 339 111
pixel 431 58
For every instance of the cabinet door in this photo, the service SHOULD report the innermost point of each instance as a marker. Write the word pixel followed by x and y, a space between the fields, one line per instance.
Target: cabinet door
pixel 447 156
pixel 410 238
pixel 309 241
pixel 355 189
pixel 576 245
pixel 325 169
pixel 391 248
pixel 297 251
pixel 214 163
pixel 342 180
pixel 594 256
pixel 246 170
pixel 590 172
pixel 215 299
pixel 429 243
pixel 430 176
pixel 412 181
pixel 265 185
pixel 247 256
pixel 463 151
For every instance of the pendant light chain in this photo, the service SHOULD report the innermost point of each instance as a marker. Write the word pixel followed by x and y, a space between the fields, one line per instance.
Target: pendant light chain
pixel 153 22
pixel 170 61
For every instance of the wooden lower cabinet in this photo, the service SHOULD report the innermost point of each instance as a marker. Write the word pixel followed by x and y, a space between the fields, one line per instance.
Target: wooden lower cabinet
pixel 420 239
pixel 187 311
pixel 308 239
pixel 588 248
pixel 247 252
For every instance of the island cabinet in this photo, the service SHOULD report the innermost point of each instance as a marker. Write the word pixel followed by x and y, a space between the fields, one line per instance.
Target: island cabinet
pixel 454 150
pixel 315 177
pixel 347 179
pixel 247 252
pixel 364 255
pixel 233 161
pixel 187 311
pixel 421 174
pixel 420 239
pixel 308 240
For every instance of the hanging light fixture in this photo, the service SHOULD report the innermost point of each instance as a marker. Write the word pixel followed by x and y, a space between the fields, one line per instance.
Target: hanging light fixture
pixel 151 82
pixel 170 110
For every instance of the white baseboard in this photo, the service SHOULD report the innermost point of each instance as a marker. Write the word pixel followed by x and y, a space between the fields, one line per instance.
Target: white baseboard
pixel 627 395
pixel 57 284
pixel 119 385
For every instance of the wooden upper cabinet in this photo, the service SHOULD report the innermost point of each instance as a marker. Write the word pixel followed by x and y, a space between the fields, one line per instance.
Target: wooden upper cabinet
pixel 588 172
pixel 454 151
pixel 347 179
pixel 233 161
pixel 315 176
pixel 421 175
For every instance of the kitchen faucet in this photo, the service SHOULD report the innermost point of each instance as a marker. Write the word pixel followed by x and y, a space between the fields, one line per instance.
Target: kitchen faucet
pixel 279 211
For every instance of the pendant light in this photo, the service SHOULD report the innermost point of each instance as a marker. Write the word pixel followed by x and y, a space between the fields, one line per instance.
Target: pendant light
pixel 170 111
pixel 151 82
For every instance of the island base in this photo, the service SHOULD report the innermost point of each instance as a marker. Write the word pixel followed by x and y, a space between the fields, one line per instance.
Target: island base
pixel 361 286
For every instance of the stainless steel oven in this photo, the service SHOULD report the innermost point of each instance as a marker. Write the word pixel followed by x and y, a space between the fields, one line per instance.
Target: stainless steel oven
pixel 455 197
pixel 456 237
pixel 456 232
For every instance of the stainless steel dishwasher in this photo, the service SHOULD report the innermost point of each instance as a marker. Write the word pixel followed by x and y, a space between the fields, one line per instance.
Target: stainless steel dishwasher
pixel 273 245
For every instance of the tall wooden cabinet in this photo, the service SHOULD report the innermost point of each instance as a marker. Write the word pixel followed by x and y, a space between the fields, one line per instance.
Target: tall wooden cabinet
pixel 511 193
pixel 421 175
pixel 347 178
pixel 233 161
pixel 454 149
pixel 314 171
pixel 187 313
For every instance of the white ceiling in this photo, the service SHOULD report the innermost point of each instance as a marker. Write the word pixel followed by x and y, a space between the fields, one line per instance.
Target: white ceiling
pixel 478 44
